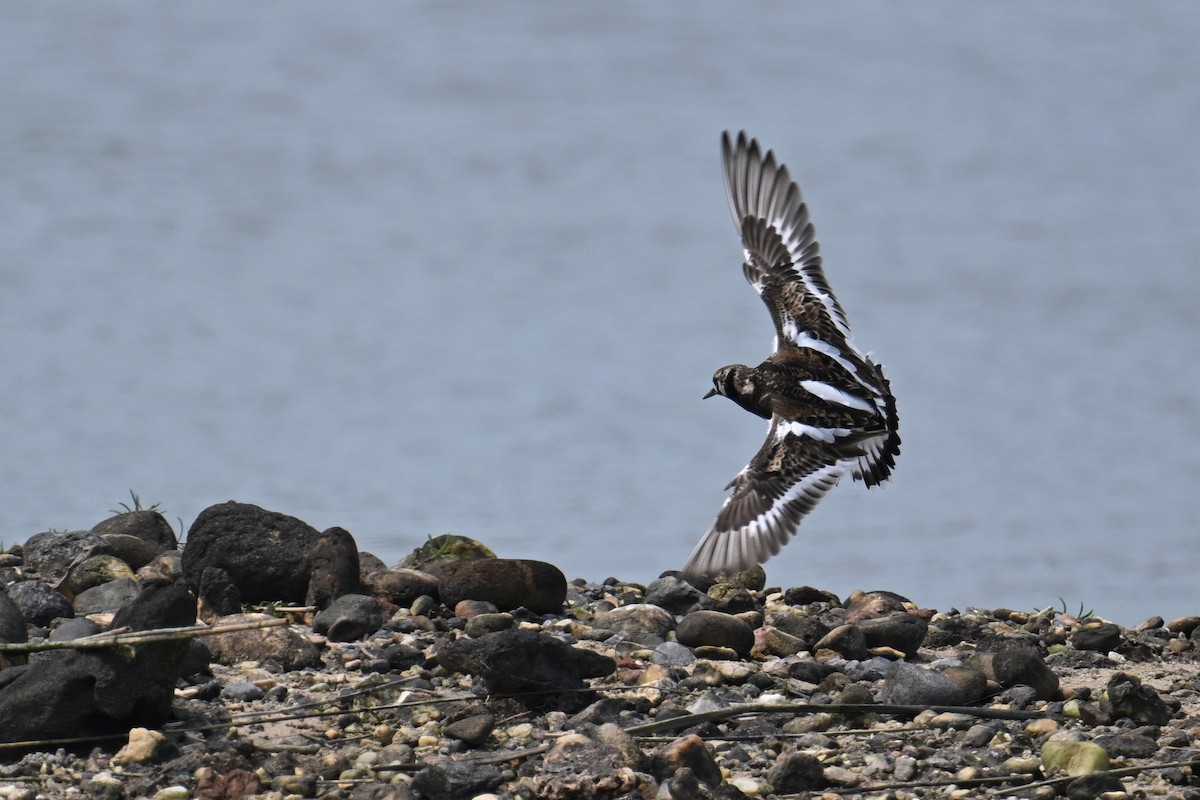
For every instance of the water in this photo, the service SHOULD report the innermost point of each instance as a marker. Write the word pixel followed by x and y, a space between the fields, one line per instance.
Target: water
pixel 436 267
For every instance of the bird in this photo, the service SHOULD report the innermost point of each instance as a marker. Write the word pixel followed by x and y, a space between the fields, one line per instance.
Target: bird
pixel 830 406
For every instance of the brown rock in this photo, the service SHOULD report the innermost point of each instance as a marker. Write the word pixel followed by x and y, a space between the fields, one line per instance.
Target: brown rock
pixel 687 751
pixel 509 583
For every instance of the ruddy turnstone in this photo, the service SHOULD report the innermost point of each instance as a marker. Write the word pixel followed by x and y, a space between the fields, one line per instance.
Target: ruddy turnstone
pixel 830 406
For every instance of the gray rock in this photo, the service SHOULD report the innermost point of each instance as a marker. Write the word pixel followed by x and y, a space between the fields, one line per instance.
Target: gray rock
pixel 796 772
pixel 908 684
pixel 400 586
pixel 715 629
pixel 775 642
pixel 605 710
pixel 509 583
pixel 282 645
pixel 334 562
pixel 106 596
pixel 349 617
pixel 72 629
pixel 51 553
pixel 638 622
pixel 401 656
pixel 39 604
pixel 675 595
pixel 241 691
pixel 265 553
pixel 672 654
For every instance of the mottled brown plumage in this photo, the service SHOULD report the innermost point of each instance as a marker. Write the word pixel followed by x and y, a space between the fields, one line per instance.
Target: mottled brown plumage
pixel 830 406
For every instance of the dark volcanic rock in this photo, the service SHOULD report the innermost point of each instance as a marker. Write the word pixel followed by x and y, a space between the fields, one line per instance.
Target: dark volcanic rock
pixel 349 617
pixel 1018 665
pixel 522 661
pixel 334 560
pixel 508 582
pixel 12 624
pixel 149 526
pixel 845 639
pixel 803 595
pixel 898 630
pixel 1127 697
pixel 908 684
pixel 715 629
pixel 219 595
pixel 795 773
pixel 39 604
pixel 135 552
pixel 1101 637
pixel 266 553
pixel 972 681
pixel 447 779
pixel 1127 745
pixel 1087 787
pixel 94 692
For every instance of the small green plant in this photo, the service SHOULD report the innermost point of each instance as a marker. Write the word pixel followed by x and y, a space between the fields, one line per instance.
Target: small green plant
pixel 137 505
pixel 1062 611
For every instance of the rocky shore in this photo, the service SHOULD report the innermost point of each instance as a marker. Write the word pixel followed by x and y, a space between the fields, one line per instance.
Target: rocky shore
pixel 317 671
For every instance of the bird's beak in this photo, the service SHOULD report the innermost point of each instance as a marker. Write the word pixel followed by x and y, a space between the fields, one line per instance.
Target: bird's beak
pixel 711 392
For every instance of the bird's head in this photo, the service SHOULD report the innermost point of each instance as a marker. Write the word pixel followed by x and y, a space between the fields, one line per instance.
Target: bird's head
pixel 731 381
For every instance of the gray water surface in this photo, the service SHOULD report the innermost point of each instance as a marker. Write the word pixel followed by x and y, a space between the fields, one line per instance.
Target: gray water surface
pixel 435 267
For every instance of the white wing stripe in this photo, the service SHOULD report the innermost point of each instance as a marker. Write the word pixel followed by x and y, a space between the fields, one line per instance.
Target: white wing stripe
pixel 835 395
pixel 800 429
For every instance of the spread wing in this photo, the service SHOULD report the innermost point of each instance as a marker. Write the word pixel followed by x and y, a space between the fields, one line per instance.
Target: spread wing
pixel 782 257
pixel 795 467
